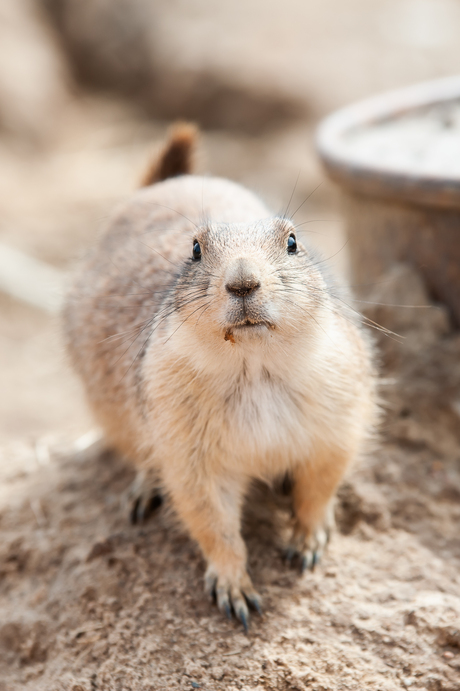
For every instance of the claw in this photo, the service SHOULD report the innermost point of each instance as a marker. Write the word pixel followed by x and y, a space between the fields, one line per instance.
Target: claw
pixel 147 508
pixel 155 502
pixel 307 562
pixel 254 602
pixel 223 602
pixel 310 560
pixel 304 565
pixel 233 596
pixel 142 509
pixel 244 619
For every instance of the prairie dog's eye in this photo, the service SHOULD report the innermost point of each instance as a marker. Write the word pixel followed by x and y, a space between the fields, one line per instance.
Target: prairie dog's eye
pixel 196 251
pixel 292 244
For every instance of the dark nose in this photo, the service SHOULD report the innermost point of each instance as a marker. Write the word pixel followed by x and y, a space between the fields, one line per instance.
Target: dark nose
pixel 242 286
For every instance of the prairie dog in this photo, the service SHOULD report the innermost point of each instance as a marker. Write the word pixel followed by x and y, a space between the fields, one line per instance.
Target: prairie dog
pixel 213 353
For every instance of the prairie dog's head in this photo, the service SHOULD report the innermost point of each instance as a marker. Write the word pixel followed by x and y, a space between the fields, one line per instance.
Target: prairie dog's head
pixel 249 281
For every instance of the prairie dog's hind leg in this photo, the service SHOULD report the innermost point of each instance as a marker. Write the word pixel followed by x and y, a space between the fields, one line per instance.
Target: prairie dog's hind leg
pixel 313 488
pixel 210 508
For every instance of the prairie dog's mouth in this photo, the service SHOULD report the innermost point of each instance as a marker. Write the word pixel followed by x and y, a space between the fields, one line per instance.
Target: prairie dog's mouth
pixel 251 323
pixel 247 325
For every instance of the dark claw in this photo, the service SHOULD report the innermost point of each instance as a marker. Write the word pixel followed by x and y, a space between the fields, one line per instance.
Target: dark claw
pixel 254 603
pixel 155 502
pixel 140 511
pixel 212 591
pixel 149 508
pixel 228 611
pixel 304 565
pixel 242 617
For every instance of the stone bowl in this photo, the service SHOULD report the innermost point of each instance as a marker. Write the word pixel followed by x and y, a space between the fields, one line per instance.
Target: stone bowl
pixel 397 160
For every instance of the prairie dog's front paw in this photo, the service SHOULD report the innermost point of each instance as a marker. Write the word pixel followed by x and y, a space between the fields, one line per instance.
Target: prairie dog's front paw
pixel 233 592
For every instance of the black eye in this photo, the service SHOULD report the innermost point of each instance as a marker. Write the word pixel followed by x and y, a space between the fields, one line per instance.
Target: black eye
pixel 196 251
pixel 291 244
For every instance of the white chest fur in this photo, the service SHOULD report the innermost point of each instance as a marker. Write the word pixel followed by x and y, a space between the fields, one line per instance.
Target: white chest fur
pixel 254 412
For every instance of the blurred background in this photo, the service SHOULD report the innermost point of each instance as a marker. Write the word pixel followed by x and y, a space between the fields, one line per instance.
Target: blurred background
pixel 87 89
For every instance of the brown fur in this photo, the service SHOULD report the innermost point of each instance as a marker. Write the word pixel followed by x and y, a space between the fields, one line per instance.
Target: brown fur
pixel 176 157
pixel 206 386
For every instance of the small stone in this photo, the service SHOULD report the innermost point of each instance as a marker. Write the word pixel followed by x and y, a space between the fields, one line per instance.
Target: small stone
pixel 217 673
pixel 448 655
pixel 99 549
pixel 330 573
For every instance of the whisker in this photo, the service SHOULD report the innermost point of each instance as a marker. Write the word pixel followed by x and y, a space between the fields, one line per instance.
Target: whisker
pixel 176 330
pixel 292 194
pixel 327 259
pixel 362 318
pixel 159 253
pixel 388 304
pixel 306 199
pixel 130 346
pixel 136 356
pixel 368 321
pixel 310 315
pixel 164 206
pixel 317 220
pixel 209 304
pixel 120 334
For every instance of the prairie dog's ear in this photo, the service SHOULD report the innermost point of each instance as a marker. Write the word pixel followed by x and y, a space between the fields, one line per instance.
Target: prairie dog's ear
pixel 176 158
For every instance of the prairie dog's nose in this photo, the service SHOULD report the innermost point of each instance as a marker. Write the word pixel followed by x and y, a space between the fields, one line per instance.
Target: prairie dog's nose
pixel 242 278
pixel 243 288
